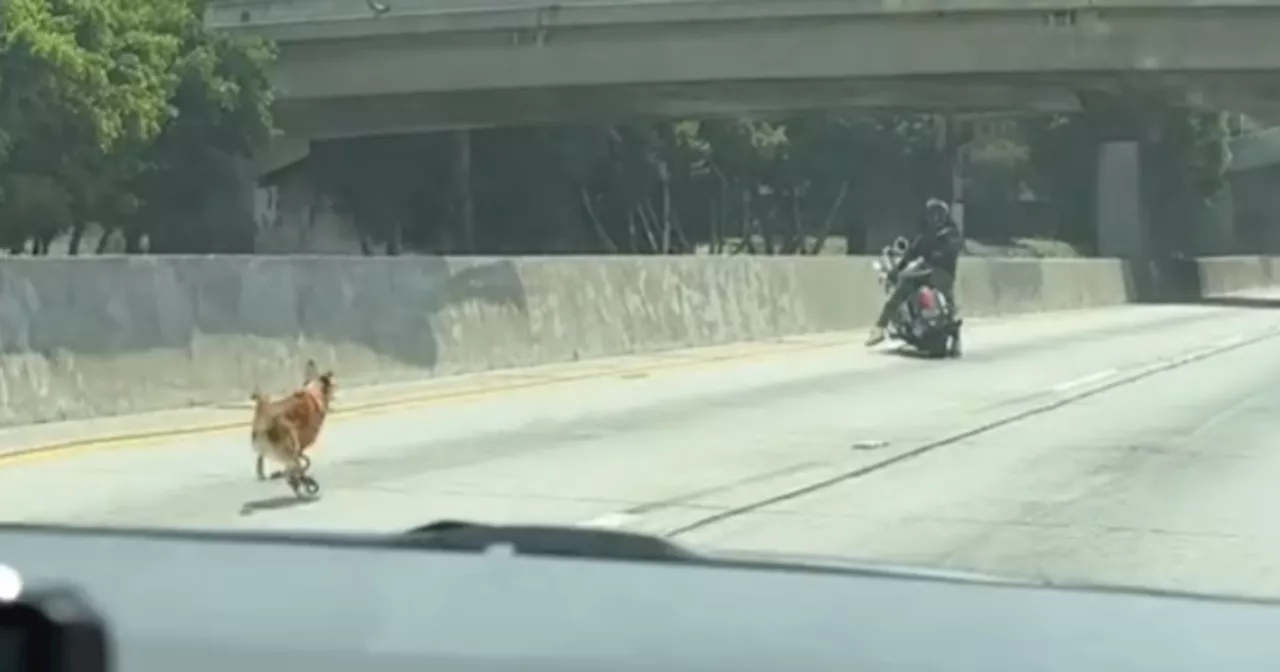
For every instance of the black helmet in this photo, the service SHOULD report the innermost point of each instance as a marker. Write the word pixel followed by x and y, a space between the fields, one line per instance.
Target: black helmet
pixel 937 213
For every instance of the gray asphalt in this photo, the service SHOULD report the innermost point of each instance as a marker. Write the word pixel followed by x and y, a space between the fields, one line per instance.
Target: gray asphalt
pixel 1136 445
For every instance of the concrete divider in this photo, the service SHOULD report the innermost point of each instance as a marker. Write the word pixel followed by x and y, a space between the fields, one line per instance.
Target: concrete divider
pixel 90 336
pixel 1221 275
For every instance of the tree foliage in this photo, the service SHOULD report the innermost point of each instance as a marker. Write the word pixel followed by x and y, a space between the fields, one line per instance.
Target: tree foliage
pixel 762 185
pixel 119 112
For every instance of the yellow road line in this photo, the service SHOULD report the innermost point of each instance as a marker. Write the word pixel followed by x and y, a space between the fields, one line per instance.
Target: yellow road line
pixel 69 448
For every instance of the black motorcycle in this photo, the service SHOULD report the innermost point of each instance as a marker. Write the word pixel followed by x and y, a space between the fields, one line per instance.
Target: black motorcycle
pixel 926 320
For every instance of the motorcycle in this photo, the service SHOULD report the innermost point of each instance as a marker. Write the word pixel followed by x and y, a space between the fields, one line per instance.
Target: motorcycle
pixel 925 321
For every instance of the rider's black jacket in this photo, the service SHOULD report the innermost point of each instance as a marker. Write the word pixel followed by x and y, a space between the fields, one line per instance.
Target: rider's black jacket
pixel 940 248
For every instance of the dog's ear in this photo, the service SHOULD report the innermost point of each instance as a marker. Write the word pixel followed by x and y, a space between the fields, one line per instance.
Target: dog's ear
pixel 310 373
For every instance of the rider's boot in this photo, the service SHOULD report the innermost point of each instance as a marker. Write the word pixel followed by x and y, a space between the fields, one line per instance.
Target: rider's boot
pixel 876 336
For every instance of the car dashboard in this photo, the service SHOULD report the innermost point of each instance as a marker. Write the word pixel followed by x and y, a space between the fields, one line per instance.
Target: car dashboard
pixel 464 597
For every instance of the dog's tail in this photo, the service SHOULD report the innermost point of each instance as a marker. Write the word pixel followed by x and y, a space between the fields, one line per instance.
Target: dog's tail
pixel 260 402
pixel 263 421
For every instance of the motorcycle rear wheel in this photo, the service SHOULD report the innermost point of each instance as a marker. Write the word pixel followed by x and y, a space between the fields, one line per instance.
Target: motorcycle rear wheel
pixel 936 344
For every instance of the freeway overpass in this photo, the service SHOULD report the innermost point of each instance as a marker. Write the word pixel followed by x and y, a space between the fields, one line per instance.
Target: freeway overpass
pixel 360 67
pixel 346 69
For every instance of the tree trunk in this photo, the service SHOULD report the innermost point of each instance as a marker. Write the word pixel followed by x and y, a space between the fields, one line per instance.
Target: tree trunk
pixel 77 237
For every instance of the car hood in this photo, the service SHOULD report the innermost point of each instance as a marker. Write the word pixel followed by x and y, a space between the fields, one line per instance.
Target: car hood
pixel 857 565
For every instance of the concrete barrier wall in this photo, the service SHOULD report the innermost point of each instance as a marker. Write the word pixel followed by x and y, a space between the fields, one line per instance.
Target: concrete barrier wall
pixel 94 336
pixel 1221 275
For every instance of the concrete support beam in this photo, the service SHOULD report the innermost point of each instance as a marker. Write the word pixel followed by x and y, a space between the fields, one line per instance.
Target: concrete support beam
pixel 425 112
pixel 1121 216
pixel 283 151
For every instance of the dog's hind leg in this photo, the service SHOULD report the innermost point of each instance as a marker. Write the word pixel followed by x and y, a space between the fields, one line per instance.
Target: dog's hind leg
pixel 263 448
pixel 280 473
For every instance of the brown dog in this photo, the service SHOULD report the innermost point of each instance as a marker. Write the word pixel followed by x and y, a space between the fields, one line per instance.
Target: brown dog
pixel 283 430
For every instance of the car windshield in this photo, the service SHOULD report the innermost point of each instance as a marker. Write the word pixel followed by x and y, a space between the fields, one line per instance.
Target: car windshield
pixel 361 266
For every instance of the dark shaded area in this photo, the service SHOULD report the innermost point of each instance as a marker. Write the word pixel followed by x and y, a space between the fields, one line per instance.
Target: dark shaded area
pixel 1167 280
pixel 912 353
pixel 567 180
pixel 1179 280
pixel 766 186
pixel 276 504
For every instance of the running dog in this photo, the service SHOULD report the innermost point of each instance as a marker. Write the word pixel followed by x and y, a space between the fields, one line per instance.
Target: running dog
pixel 284 429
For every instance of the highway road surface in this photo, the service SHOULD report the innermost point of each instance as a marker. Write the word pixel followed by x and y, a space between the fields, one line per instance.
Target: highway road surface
pixel 1135 445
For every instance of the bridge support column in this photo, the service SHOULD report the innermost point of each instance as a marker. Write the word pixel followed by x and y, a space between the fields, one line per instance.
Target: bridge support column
pixel 1121 218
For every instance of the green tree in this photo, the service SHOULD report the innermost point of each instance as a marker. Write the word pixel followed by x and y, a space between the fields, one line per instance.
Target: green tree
pixel 220 114
pixel 98 97
pixel 81 79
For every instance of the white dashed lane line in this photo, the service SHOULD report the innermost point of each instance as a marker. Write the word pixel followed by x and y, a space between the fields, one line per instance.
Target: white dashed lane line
pixel 1084 380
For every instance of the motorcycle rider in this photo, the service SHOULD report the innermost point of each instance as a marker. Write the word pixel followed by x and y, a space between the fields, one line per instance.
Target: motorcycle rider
pixel 939 242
